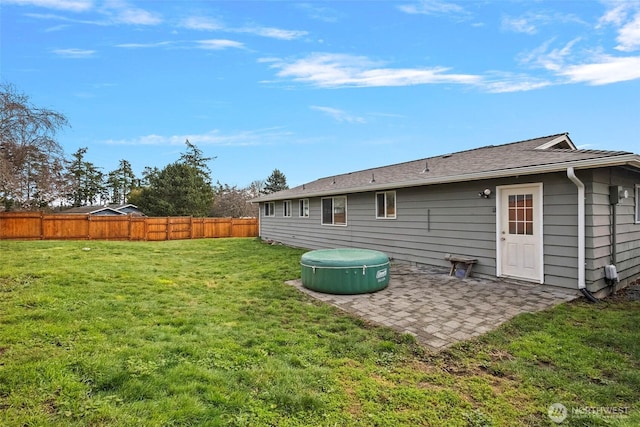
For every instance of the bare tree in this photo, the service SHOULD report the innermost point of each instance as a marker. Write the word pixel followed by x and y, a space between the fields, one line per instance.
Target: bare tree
pixel 233 202
pixel 31 160
pixel 256 187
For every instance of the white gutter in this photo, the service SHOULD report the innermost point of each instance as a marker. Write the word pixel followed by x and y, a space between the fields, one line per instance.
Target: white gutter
pixel 581 227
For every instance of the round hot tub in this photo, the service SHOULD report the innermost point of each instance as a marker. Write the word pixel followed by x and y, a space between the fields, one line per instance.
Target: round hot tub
pixel 345 271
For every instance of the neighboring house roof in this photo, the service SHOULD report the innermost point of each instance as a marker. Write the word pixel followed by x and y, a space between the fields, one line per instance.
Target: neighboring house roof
pixel 540 155
pixel 126 208
pixel 113 209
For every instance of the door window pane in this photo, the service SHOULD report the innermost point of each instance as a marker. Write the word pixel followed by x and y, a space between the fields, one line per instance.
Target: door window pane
pixel 521 214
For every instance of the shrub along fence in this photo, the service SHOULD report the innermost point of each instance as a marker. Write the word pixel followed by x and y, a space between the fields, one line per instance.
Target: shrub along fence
pixel 41 226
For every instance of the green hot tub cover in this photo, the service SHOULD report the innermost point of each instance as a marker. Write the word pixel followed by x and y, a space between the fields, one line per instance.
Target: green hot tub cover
pixel 345 270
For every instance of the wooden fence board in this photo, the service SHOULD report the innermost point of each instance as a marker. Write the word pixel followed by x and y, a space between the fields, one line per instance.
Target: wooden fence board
pixel 65 227
pixel 109 228
pixel 37 225
pixel 21 225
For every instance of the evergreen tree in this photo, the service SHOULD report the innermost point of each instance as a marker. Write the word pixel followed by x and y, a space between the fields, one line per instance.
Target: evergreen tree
pixel 86 181
pixel 194 158
pixel 121 181
pixel 176 190
pixel 275 182
pixel 182 188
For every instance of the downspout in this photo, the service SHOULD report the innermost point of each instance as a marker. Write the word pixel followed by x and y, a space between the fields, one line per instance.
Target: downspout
pixel 582 287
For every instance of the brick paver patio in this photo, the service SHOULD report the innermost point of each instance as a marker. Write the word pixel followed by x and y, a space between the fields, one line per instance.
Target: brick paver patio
pixel 439 309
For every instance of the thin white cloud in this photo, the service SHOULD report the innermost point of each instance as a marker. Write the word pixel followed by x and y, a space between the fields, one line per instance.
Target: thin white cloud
pixel 219 44
pixel 432 7
pixel 338 70
pixel 624 16
pixel 144 45
pixel 265 136
pixel 629 35
pixel 509 82
pixel 319 13
pixel 136 16
pixel 201 23
pixel 74 53
pixel 592 67
pixel 110 12
pixel 605 70
pixel 615 15
pixel 56 28
pixel 54 17
pixel 68 5
pixel 210 44
pixel 519 24
pixel 552 60
pixel 531 22
pixel 338 115
pixel 270 32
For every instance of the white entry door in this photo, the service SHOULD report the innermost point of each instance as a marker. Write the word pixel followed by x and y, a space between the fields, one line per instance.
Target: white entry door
pixel 519 232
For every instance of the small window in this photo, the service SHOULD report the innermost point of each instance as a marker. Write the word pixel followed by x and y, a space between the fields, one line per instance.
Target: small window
pixel 270 209
pixel 386 205
pixel 637 203
pixel 304 208
pixel 334 210
pixel 286 208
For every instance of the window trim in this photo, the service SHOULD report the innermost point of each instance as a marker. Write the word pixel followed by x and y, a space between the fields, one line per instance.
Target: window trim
pixel 637 195
pixel 395 204
pixel 269 212
pixel 302 212
pixel 286 208
pixel 333 212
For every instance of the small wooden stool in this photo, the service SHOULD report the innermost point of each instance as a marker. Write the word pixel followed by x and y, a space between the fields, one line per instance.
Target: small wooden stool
pixel 455 260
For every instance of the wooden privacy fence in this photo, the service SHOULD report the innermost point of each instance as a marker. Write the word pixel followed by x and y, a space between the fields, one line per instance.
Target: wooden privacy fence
pixel 36 225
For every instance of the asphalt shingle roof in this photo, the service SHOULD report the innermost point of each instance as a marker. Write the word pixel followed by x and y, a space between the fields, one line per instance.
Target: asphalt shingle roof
pixel 479 163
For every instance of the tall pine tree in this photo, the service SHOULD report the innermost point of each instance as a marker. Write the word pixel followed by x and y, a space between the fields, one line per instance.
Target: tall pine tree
pixel 275 182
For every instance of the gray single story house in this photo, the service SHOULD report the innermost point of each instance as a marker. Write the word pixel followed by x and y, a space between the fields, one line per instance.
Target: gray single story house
pixel 539 210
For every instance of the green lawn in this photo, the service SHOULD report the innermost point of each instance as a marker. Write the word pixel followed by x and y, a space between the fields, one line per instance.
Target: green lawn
pixel 205 332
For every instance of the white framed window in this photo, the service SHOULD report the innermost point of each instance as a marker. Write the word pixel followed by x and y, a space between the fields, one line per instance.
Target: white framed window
pixel 637 203
pixel 386 205
pixel 303 211
pixel 286 208
pixel 334 210
pixel 269 209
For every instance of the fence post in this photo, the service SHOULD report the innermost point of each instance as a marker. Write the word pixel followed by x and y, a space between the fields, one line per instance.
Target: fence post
pixel 41 225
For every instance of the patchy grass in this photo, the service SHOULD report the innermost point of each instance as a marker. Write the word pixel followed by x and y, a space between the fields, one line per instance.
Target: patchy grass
pixel 204 332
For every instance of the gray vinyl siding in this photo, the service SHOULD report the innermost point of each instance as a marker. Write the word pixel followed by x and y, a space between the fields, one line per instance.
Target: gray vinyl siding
pixel 432 221
pixel 560 238
pixel 599 242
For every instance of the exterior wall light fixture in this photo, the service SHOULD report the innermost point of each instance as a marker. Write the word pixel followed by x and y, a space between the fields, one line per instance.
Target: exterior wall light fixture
pixel 485 193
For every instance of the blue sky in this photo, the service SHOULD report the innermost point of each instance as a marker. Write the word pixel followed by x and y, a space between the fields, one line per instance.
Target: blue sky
pixel 321 88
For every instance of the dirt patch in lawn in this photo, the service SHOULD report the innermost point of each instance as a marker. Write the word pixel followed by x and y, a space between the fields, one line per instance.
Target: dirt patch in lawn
pixel 630 293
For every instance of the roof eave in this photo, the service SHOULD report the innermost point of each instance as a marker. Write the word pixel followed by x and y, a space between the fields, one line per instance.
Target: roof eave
pixel 626 159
